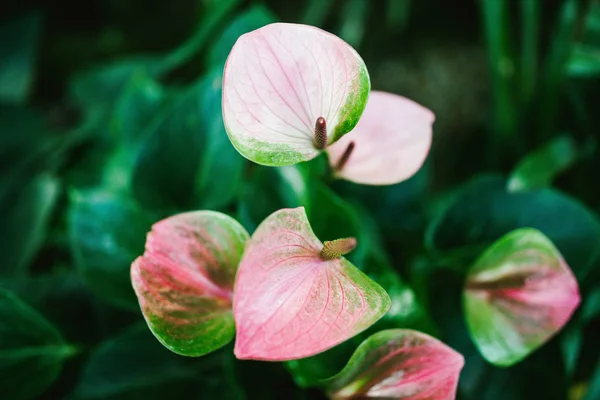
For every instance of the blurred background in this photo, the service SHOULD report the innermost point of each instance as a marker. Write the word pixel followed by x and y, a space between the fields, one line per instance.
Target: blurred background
pixel 110 119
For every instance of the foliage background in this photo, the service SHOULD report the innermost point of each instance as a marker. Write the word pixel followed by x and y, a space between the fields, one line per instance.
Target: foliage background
pixel 110 120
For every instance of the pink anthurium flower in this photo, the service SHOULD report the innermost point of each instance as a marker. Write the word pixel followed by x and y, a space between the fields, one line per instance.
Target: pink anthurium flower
pixel 399 364
pixel 389 144
pixel 517 295
pixel 291 90
pixel 295 297
pixel 184 280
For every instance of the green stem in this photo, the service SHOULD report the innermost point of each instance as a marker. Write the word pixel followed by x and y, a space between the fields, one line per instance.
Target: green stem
pixel 205 30
pixel 554 75
pixel 529 50
pixel 495 17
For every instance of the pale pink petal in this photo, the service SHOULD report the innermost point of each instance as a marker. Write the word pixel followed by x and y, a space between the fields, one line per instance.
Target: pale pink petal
pixel 184 280
pixel 391 141
pixel 289 303
pixel 399 364
pixel 279 80
pixel 518 295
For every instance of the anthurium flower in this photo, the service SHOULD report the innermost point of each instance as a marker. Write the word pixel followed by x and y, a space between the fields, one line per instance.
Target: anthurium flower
pixel 295 296
pixel 291 90
pixel 184 280
pixel 399 364
pixel 389 144
pixel 517 295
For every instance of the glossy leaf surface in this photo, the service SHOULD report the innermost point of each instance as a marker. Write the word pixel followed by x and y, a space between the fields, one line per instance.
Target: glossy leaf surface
pixel 32 350
pixel 279 80
pixel 518 294
pixel 391 141
pixel 291 304
pixel 184 280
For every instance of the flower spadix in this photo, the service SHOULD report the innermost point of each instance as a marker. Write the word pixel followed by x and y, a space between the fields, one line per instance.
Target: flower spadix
pixel 296 297
pixel 389 144
pixel 184 280
pixel 289 91
pixel 518 295
pixel 399 364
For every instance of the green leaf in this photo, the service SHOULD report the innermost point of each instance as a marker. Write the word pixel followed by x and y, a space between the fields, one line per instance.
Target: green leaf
pixel 106 233
pixel 255 17
pixel 18 47
pixel 135 108
pixel 97 89
pixel 497 27
pixel 32 351
pixel 63 299
pixel 584 61
pixel 184 281
pixel 133 364
pixel 517 296
pixel 220 161
pixel 482 211
pixel 593 390
pixel 166 166
pixel 27 147
pixel 538 169
pixel 25 222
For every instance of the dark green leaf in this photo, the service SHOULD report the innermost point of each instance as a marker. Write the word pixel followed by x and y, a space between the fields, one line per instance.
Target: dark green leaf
pixel 135 108
pixel 584 61
pixel 18 47
pixel 25 222
pixel 107 232
pixel 539 168
pixel 133 364
pixel 165 169
pixel 255 17
pixel 97 89
pixel 27 147
pixel 32 351
pixel 220 175
pixel 593 390
pixel 482 211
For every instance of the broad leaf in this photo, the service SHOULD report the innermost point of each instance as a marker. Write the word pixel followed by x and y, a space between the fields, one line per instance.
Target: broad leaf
pixel 399 364
pixel 517 295
pixel 132 364
pixel 483 210
pixel 255 17
pixel 220 162
pixel 292 303
pixel 106 233
pixel 279 81
pixel 165 169
pixel 138 104
pixel 388 145
pixel 538 169
pixel 32 351
pixel 25 220
pixel 18 47
pixel 184 280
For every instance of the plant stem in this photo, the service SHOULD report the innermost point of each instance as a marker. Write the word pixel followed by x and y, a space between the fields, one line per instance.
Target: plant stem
pixel 495 17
